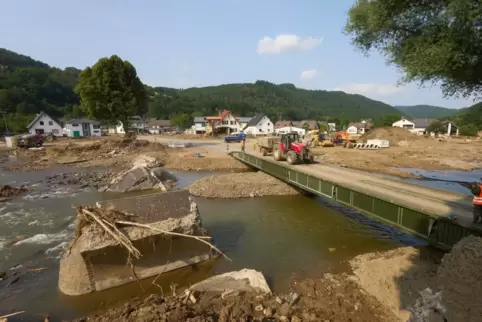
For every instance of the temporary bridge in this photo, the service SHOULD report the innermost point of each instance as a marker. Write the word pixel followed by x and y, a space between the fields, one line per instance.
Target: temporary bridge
pixel 440 217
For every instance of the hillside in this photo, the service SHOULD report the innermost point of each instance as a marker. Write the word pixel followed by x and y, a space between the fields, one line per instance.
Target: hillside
pixel 426 111
pixel 277 101
pixel 469 119
pixel 28 86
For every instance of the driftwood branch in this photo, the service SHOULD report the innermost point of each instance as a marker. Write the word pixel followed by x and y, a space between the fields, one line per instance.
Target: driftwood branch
pixel 130 223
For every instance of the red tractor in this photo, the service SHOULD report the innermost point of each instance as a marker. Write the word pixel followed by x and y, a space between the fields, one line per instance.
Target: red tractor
pixel 292 150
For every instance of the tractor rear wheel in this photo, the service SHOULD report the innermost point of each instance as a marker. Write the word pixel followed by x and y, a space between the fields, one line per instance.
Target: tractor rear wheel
pixel 291 157
pixel 264 152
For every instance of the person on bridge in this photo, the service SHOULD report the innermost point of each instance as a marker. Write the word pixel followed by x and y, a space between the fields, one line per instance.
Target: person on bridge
pixel 476 189
pixel 243 145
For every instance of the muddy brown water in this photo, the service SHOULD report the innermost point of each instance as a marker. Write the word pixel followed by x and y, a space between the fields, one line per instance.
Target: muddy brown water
pixel 284 237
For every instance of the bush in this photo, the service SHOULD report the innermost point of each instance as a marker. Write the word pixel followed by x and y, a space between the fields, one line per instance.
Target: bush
pixel 468 130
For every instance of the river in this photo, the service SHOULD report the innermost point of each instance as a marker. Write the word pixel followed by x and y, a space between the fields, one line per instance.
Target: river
pixel 284 237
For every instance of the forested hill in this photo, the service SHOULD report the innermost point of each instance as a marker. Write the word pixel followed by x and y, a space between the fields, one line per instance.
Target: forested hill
pixel 284 100
pixel 426 111
pixel 28 86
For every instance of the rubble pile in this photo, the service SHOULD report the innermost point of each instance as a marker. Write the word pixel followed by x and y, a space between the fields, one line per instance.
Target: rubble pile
pixel 7 191
pixel 146 173
pixel 234 297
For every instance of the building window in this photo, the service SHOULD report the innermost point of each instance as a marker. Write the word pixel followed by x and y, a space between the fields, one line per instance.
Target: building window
pixel 51 123
pixel 75 124
pixel 225 122
pixel 95 126
pixel 41 122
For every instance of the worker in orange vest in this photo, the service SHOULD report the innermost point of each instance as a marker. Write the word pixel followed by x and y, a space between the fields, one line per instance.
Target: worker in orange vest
pixel 477 201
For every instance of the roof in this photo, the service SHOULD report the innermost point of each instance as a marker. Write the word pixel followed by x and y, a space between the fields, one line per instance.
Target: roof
pixel 283 124
pixel 361 125
pixel 244 119
pixel 422 123
pixel 199 119
pixel 311 123
pixel 255 120
pixel 38 116
pixel 82 120
pixel 153 122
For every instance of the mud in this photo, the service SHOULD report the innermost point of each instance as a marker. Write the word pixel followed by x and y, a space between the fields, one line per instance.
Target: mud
pixel 187 162
pixel 240 185
pixel 333 298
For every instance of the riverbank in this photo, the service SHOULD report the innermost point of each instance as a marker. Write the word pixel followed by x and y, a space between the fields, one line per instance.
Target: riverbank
pixel 241 185
pixel 117 152
pixel 398 285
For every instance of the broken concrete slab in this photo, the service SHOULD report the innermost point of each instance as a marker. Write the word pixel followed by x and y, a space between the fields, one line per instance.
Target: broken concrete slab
pixel 95 261
pixel 144 175
pixel 245 280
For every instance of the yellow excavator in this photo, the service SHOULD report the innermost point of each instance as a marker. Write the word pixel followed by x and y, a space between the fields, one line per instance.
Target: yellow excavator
pixel 314 138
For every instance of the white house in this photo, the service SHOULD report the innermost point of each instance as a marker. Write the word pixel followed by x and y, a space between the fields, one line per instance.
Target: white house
pixel 160 126
pixel 136 123
pixel 259 125
pixel 404 123
pixel 43 124
pixel 289 129
pixel 82 127
pixel 199 126
pixel 243 121
pixel 358 127
pixel 224 122
pixel 417 126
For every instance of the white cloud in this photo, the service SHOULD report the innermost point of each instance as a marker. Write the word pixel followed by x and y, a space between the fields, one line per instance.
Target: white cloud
pixel 308 74
pixel 371 89
pixel 285 43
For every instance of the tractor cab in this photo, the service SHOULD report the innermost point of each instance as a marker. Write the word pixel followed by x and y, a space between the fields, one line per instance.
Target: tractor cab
pixel 289 138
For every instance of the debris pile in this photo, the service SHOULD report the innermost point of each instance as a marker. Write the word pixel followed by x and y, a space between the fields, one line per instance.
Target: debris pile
pixel 460 279
pixel 146 173
pixel 240 185
pixel 395 135
pixel 95 179
pixel 161 232
pixel 329 299
pixel 7 191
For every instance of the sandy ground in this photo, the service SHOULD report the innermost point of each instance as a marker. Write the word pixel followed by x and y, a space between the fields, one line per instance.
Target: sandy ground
pixel 240 185
pixel 399 279
pixel 406 151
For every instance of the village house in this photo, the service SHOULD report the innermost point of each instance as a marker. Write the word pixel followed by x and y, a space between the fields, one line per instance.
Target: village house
pixel 419 126
pixel 224 122
pixel 307 124
pixel 259 125
pixel 289 129
pixel 243 121
pixel 280 124
pixel 359 128
pixel 199 126
pixel 82 127
pixel 136 124
pixel 160 126
pixel 44 124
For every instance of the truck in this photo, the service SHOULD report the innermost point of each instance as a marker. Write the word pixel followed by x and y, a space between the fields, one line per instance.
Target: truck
pixel 235 137
pixel 267 143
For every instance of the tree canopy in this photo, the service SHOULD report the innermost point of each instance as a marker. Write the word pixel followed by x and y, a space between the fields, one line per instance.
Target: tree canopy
pixel 111 91
pixel 430 41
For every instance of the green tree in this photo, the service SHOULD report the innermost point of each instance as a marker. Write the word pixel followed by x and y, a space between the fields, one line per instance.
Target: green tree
pixel 436 127
pixel 468 130
pixel 387 120
pixel 430 41
pixel 110 91
pixel 183 121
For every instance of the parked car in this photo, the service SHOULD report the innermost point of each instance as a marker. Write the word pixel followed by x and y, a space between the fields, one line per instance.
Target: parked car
pixel 235 137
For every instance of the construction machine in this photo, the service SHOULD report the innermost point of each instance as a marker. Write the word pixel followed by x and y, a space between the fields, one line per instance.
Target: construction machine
pixel 344 138
pixel 314 138
pixel 292 150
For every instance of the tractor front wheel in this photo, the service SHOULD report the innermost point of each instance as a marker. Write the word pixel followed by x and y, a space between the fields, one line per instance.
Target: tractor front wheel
pixel 291 157
pixel 277 154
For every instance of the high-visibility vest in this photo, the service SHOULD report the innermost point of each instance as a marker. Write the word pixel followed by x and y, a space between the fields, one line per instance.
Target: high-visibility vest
pixel 478 199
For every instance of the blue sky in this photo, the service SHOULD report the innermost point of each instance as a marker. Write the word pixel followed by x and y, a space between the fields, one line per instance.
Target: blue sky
pixel 185 43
